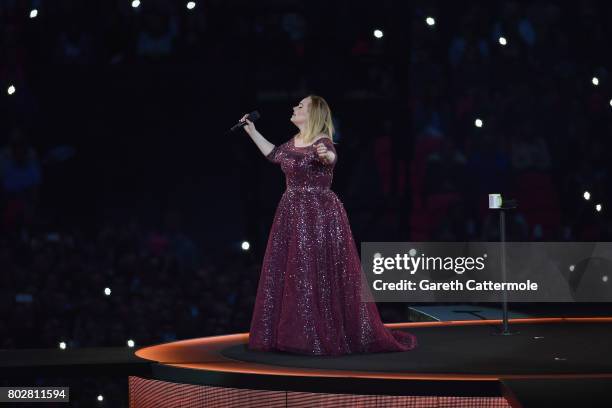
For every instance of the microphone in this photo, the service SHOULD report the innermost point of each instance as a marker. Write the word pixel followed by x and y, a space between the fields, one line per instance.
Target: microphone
pixel 253 116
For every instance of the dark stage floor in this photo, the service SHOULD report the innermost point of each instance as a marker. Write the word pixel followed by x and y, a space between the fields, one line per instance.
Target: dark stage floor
pixel 462 358
pixel 550 348
pixel 75 362
pixel 457 358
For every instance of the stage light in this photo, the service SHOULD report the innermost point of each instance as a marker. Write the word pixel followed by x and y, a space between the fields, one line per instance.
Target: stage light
pixel 430 21
pixel 610 102
pixel 598 207
pixel 136 3
pixel 478 123
pixel 604 278
pixel 107 291
pixel 586 195
pixel 595 81
pixel 191 5
pixel 503 41
pixel 130 343
pixel 11 90
pixel 100 398
pixel 378 33
pixel 245 245
pixel 62 345
pixel 572 267
pixel 33 13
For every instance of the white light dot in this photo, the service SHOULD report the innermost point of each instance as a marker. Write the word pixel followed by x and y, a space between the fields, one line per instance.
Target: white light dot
pixel 610 102
pixel 130 343
pixel 412 252
pixel 378 33
pixel 191 5
pixel 598 207
pixel 595 81
pixel 478 123
pixel 377 255
pixel 62 345
pixel 100 398
pixel 245 245
pixel 604 278
pixel 503 41
pixel 107 291
pixel 571 268
pixel 11 89
pixel 430 21
pixel 136 3
pixel 33 13
pixel 586 195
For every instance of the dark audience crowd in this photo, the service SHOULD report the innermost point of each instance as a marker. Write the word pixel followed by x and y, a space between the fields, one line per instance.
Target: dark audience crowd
pixel 542 103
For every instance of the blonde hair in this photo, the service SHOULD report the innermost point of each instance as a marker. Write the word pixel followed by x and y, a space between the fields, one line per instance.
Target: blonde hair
pixel 319 120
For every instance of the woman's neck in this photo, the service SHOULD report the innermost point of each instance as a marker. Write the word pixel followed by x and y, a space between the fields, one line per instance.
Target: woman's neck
pixel 301 133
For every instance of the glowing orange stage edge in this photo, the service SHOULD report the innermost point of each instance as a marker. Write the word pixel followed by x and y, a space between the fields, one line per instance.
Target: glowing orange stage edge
pixel 205 354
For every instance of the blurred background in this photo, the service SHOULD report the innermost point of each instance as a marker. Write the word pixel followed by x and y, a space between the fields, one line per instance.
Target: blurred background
pixel 128 213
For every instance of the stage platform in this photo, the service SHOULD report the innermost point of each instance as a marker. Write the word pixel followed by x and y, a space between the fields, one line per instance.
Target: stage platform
pixel 455 312
pixel 457 363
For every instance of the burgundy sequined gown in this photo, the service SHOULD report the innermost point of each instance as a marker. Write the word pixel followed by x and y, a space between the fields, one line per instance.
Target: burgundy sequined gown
pixel 309 299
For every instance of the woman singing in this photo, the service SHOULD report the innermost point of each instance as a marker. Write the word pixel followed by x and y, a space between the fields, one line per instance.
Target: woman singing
pixel 309 298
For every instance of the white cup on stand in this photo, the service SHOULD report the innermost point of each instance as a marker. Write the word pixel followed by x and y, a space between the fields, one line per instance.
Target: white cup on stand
pixel 495 201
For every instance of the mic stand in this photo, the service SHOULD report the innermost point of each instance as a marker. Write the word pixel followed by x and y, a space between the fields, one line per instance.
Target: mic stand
pixel 506 205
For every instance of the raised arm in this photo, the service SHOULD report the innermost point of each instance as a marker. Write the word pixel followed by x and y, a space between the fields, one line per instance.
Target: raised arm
pixel 326 151
pixel 264 146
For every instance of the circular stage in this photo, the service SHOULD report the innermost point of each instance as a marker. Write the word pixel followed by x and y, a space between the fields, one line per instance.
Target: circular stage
pixel 454 359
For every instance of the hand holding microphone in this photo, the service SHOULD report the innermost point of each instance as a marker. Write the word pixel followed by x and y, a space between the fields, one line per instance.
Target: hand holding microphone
pixel 247 123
